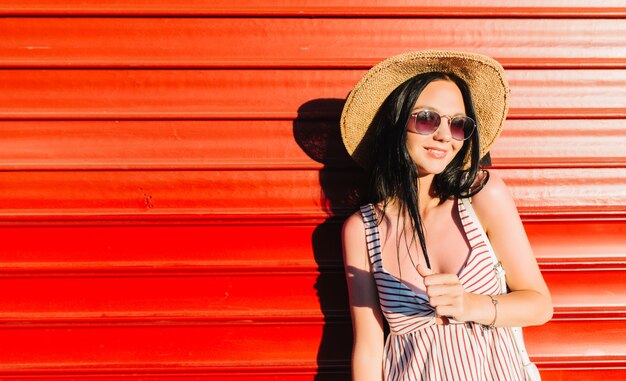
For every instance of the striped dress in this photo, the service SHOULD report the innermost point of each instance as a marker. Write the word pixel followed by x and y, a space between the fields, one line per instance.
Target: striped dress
pixel 419 349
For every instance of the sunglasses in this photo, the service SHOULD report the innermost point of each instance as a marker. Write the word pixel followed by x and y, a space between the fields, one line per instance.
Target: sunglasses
pixel 426 122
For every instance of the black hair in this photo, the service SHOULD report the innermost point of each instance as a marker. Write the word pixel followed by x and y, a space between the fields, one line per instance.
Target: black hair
pixel 394 175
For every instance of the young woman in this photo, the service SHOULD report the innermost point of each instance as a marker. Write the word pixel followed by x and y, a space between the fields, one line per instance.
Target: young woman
pixel 425 254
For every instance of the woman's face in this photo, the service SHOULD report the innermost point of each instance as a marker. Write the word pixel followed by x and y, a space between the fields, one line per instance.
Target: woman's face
pixel 432 153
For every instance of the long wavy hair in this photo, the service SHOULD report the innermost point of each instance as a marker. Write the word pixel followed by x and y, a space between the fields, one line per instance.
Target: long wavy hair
pixel 394 175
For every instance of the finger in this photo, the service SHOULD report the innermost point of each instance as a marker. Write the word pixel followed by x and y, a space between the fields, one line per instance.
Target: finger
pixel 442 289
pixel 454 290
pixel 439 301
pixel 439 279
pixel 424 271
pixel 446 311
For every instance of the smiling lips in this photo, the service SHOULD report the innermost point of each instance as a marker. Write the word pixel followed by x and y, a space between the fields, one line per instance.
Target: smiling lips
pixel 436 153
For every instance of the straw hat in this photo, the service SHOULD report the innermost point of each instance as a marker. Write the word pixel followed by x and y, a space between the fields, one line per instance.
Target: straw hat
pixel 483 75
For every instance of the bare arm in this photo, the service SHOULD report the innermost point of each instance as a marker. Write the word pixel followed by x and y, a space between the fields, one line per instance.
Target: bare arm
pixel 367 317
pixel 529 301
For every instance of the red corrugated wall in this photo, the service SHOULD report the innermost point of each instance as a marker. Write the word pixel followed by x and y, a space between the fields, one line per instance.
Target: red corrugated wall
pixel 172 182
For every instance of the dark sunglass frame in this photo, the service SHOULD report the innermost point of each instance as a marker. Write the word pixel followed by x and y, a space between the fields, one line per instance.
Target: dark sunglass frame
pixel 432 122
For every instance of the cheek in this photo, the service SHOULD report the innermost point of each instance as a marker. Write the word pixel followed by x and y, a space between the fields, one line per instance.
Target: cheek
pixel 412 147
pixel 456 149
pixel 457 145
pixel 414 140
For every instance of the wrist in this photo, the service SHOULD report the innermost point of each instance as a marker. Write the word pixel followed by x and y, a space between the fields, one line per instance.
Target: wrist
pixel 482 309
pixel 494 301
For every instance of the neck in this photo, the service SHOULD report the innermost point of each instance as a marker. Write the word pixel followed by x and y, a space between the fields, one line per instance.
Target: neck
pixel 426 195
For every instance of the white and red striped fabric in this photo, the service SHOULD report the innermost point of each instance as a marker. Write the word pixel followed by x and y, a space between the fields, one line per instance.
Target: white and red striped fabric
pixel 419 349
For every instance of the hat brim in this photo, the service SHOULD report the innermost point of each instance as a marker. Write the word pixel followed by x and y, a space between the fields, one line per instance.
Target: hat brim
pixel 483 75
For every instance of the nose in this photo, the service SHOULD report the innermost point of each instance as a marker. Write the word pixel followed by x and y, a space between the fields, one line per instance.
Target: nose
pixel 443 132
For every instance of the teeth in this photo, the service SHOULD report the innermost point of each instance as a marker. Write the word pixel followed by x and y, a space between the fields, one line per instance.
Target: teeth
pixel 436 152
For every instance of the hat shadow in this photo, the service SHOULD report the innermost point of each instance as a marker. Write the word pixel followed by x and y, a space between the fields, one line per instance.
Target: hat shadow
pixel 316 131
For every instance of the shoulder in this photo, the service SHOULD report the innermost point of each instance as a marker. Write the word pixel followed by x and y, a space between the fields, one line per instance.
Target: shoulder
pixel 493 190
pixel 354 242
pixel 354 225
pixel 493 201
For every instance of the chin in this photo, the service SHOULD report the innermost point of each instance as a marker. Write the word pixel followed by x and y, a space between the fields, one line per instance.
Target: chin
pixel 431 166
pixel 431 169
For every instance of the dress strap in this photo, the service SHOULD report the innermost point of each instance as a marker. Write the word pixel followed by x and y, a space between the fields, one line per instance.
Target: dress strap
pixel 372 236
pixel 477 237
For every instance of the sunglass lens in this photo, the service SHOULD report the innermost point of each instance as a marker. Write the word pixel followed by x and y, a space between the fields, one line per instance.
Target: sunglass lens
pixel 426 122
pixel 461 127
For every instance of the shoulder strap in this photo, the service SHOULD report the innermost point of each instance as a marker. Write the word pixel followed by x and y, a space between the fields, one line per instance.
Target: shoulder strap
pixel 372 236
pixel 500 274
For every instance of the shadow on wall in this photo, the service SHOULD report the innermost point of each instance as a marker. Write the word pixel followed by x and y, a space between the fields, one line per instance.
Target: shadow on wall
pixel 316 130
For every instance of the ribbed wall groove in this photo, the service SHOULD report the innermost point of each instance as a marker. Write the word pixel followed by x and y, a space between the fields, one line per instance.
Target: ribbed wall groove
pixel 304 9
pixel 173 183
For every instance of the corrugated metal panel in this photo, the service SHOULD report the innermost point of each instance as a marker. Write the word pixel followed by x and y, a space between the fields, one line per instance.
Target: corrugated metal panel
pixel 147 94
pixel 102 144
pixel 253 191
pixel 302 42
pixel 173 183
pixel 342 8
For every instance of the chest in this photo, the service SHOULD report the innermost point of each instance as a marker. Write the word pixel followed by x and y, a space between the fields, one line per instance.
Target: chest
pixel 446 242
